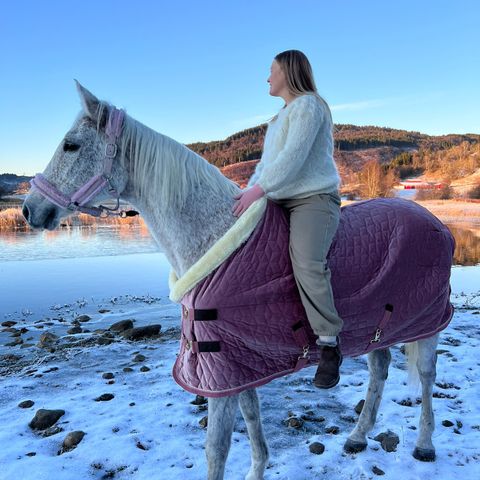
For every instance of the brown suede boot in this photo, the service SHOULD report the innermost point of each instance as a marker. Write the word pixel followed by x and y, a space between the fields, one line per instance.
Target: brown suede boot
pixel 327 374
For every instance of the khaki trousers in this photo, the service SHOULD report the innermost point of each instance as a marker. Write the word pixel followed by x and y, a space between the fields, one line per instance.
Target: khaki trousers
pixel 313 223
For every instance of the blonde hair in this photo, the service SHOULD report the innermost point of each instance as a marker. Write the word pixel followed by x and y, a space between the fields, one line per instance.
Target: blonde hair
pixel 299 77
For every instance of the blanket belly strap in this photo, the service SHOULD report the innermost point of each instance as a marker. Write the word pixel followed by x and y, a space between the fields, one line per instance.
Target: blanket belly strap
pixel 205 347
pixel 199 314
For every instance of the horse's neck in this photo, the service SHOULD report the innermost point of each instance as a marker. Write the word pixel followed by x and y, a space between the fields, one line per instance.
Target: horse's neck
pixel 185 235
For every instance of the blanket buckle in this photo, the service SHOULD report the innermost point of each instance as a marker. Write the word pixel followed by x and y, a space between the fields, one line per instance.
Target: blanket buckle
pixel 376 338
pixel 302 360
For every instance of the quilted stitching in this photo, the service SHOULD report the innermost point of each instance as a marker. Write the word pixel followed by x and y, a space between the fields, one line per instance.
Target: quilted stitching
pixel 385 251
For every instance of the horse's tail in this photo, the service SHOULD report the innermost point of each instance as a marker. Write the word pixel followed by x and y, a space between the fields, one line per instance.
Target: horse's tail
pixel 411 351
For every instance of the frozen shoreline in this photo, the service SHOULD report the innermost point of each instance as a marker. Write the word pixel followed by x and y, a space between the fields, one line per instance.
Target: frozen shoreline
pixel 150 429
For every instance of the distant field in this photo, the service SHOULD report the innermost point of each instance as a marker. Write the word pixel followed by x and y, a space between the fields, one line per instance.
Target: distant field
pixel 454 210
pixel 449 211
pixel 12 219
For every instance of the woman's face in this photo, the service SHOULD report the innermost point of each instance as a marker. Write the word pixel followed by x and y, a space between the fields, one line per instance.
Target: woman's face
pixel 277 80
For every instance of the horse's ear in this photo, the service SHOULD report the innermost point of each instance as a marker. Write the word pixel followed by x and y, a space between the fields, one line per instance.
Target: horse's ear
pixel 90 104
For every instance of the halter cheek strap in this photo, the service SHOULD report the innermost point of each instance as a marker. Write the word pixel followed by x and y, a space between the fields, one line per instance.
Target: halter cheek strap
pixel 77 201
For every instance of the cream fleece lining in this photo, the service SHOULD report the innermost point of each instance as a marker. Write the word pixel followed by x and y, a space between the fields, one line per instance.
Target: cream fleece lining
pixel 217 253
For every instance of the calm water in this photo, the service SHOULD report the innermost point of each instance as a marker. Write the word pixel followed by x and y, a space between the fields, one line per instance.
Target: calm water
pixel 78 242
pixel 75 242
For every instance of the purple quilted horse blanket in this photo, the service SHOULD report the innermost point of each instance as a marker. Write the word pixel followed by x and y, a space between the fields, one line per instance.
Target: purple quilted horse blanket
pixel 244 324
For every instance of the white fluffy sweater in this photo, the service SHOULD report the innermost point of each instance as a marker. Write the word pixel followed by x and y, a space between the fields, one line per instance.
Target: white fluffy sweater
pixel 297 159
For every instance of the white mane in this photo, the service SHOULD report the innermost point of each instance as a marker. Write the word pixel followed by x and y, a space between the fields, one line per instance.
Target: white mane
pixel 160 164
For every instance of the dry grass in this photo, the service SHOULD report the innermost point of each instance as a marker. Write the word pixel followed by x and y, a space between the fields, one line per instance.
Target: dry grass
pixel 449 211
pixel 12 219
pixel 457 210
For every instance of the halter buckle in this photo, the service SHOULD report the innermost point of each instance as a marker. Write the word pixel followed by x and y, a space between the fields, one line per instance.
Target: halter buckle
pixel 111 150
pixel 73 206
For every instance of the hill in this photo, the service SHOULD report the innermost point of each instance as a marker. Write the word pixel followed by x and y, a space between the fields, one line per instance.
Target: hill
pixel 404 153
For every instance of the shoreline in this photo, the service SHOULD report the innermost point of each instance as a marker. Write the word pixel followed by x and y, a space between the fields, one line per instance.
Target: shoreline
pixel 451 211
pixel 448 211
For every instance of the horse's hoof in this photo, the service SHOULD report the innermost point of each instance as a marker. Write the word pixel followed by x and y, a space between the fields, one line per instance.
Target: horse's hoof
pixel 350 446
pixel 424 454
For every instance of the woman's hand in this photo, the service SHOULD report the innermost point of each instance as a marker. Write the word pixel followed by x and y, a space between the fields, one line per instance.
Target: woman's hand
pixel 246 198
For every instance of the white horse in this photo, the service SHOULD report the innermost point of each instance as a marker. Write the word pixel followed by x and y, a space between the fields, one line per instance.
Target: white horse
pixel 187 205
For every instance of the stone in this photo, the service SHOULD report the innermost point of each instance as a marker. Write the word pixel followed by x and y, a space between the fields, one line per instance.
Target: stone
pixel 47 339
pixel 359 406
pixel 121 326
pixel 388 440
pixel 74 330
pixel 45 418
pixel 138 333
pixel 317 448
pixel 295 422
pixel 72 440
pixel 105 397
pixel 199 400
pixel 333 429
pixel 8 323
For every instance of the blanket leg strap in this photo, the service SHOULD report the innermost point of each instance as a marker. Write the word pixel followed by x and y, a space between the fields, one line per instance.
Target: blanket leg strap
pixel 383 323
pixel 301 339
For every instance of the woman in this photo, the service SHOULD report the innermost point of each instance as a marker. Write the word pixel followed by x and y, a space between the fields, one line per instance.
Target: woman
pixel 298 172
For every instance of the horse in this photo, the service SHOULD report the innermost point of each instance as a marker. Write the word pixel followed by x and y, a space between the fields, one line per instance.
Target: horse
pixel 187 203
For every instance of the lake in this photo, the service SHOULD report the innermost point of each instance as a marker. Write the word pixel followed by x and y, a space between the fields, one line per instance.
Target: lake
pixel 72 242
pixel 108 240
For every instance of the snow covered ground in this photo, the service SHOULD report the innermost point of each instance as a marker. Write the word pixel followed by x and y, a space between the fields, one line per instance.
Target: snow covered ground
pixel 151 430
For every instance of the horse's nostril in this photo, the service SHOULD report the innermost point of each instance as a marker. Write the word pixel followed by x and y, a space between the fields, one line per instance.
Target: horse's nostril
pixel 50 219
pixel 26 212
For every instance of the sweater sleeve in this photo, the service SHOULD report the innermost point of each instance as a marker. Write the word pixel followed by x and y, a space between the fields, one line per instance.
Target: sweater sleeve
pixel 256 174
pixel 304 123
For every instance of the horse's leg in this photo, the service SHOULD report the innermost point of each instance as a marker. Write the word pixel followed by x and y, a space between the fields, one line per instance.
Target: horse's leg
pixel 426 365
pixel 378 362
pixel 250 409
pixel 221 419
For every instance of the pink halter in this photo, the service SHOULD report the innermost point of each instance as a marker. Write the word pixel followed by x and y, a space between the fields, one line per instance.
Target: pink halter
pixel 77 201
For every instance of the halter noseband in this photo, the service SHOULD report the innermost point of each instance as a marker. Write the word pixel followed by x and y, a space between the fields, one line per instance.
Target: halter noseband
pixel 77 201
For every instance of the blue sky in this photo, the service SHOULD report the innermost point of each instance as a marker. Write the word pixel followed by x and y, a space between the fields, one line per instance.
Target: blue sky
pixel 197 71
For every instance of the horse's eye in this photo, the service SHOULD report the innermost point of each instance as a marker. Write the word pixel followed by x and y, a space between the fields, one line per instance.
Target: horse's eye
pixel 70 147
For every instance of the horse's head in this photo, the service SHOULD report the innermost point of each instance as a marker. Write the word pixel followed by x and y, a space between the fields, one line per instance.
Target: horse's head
pixel 79 158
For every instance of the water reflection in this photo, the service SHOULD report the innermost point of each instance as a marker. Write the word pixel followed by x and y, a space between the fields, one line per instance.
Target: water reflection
pixel 100 240
pixel 75 242
pixel 467 248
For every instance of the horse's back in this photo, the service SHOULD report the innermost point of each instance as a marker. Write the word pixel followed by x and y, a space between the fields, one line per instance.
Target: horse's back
pixel 391 253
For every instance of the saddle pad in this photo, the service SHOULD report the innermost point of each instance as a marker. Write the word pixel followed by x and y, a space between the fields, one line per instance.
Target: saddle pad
pixel 243 324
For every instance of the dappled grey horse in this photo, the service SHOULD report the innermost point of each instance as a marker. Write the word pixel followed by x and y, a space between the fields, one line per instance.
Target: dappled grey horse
pixel 187 205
